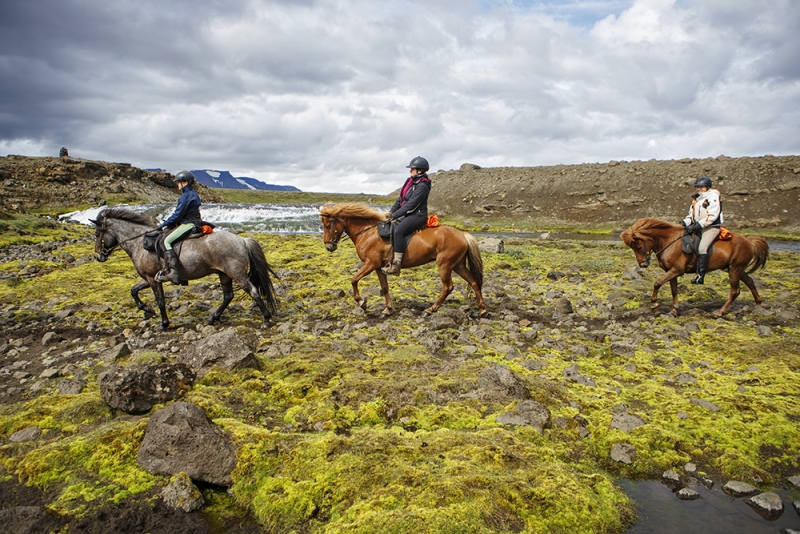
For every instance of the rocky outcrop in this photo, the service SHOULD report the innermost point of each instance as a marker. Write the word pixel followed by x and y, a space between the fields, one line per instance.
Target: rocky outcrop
pixel 137 388
pixel 35 182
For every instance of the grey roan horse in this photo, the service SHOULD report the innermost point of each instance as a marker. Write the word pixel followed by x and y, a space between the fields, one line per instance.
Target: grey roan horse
pixel 224 253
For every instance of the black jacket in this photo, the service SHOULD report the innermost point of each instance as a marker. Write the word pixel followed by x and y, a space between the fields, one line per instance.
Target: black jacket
pixel 415 199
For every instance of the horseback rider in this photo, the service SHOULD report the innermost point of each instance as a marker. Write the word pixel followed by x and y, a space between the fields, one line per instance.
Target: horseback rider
pixel 705 219
pixel 410 211
pixel 183 219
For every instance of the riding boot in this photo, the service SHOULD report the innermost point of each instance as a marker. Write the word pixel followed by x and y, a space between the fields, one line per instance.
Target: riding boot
pixel 702 265
pixel 170 272
pixel 394 267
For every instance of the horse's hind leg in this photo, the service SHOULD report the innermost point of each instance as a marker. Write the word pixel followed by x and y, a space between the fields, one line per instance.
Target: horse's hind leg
pixel 227 296
pixel 148 310
pixel 463 272
pixel 446 275
pixel 733 276
pixel 252 290
pixel 751 285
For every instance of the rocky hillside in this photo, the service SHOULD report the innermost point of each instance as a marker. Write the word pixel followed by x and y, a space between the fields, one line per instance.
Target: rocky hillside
pixel 28 183
pixel 758 192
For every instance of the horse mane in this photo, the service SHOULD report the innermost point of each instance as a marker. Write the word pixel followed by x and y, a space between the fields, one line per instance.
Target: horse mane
pixel 645 227
pixel 352 210
pixel 124 214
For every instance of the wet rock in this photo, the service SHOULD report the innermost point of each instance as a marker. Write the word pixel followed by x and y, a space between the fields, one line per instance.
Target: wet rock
pixel 624 349
pixel 120 350
pixel 622 420
pixel 527 413
pixel 71 386
pixel 572 373
pixel 51 338
pixel 227 349
pixel 711 407
pixel 796 506
pixel 498 383
pixel 795 481
pixel 739 489
pixel 671 477
pixel 690 467
pixel 137 388
pixel 26 434
pixel 687 494
pixel 182 494
pixel 28 520
pixel 623 452
pixel 491 244
pixel 181 438
pixel 767 504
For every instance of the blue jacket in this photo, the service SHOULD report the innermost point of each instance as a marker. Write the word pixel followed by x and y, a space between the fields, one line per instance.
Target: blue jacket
pixel 187 210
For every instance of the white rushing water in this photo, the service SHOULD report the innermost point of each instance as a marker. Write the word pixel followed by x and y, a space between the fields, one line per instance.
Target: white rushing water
pixel 272 218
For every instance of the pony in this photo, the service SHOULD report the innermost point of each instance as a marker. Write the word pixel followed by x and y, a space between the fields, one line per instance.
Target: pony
pixel 452 249
pixel 224 253
pixel 740 255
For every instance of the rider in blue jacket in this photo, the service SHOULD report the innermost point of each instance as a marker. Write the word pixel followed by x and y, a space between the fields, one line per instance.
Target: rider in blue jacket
pixel 185 217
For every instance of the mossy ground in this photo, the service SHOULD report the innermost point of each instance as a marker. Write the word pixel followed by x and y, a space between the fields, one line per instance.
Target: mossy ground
pixel 355 424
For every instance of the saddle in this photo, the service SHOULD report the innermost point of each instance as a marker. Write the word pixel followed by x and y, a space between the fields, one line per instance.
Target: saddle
pixel 154 240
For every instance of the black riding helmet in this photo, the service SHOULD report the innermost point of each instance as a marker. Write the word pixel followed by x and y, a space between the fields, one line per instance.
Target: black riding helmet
pixel 419 163
pixel 184 176
pixel 703 181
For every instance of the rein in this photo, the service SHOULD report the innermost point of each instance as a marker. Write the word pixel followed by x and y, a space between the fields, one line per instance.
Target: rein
pixel 343 234
pixel 107 251
pixel 663 249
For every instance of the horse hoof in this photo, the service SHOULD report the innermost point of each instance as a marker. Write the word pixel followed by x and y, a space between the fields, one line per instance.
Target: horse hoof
pixel 163 327
pixel 386 312
pixel 428 311
pixel 212 320
pixel 363 304
pixel 674 312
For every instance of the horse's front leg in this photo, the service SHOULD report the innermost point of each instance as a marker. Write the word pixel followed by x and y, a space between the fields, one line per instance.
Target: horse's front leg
pixel 365 269
pixel 668 276
pixel 148 310
pixel 158 291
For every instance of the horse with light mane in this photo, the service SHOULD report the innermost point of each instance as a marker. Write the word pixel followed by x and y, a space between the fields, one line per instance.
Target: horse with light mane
pixel 452 249
pixel 740 255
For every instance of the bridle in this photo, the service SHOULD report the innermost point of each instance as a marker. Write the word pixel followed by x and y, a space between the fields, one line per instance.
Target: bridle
pixel 336 238
pixel 652 251
pixel 106 252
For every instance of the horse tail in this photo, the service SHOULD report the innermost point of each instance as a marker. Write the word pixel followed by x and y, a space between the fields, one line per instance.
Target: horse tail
pixel 473 258
pixel 260 272
pixel 760 253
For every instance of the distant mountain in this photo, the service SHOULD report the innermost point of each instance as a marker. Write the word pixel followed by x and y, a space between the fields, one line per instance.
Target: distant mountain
pixel 224 179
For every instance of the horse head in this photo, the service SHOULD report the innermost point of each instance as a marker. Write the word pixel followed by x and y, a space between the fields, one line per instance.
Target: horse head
pixel 641 245
pixel 332 230
pixel 104 241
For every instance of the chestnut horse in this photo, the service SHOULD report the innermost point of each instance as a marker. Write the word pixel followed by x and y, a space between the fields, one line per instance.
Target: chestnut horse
pixel 452 249
pixel 650 236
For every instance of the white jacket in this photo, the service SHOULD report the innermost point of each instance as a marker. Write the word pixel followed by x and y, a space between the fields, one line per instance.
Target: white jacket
pixel 706 209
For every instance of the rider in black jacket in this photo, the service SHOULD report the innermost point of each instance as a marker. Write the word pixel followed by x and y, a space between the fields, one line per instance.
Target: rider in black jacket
pixel 410 212
pixel 183 220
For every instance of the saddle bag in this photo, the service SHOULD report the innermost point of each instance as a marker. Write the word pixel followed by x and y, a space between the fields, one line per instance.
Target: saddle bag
pixel 690 242
pixel 385 229
pixel 149 240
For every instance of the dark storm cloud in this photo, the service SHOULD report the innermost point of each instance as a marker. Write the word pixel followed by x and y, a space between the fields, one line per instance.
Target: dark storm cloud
pixel 336 94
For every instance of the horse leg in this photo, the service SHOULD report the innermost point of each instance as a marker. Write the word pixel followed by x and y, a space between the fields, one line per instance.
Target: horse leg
pixel 669 275
pixel 673 285
pixel 384 281
pixel 446 275
pixel 253 292
pixel 227 296
pixel 733 275
pixel 158 291
pixel 148 310
pixel 751 286
pixel 463 272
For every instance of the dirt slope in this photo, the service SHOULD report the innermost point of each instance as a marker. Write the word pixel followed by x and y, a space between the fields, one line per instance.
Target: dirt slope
pixel 758 192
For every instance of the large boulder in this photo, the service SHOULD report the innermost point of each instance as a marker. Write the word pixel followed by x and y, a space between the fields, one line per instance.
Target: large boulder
pixel 137 388
pixel 527 413
pixel 228 349
pixel 181 438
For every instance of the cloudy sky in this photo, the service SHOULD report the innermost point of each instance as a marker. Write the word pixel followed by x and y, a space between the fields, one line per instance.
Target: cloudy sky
pixel 339 95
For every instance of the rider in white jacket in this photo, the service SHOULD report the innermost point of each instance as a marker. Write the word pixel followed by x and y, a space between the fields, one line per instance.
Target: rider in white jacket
pixel 705 218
